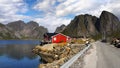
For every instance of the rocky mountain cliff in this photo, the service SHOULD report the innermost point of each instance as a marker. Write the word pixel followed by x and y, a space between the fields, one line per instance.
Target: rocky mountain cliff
pixel 110 25
pixel 6 33
pixel 60 29
pixel 21 30
pixel 91 26
pixel 82 25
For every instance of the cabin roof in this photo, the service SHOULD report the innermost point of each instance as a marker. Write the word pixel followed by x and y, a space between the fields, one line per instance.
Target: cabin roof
pixel 49 34
pixel 61 34
pixel 77 36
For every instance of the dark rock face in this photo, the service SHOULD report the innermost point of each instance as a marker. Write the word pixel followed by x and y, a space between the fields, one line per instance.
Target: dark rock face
pixel 21 30
pixel 86 25
pixel 6 33
pixel 60 29
pixel 16 27
pixel 82 25
pixel 33 31
pixel 109 24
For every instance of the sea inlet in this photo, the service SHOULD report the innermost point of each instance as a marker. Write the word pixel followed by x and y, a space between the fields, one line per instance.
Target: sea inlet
pixel 18 54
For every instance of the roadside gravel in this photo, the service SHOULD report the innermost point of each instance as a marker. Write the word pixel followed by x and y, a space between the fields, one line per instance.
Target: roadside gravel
pixel 87 60
pixel 90 59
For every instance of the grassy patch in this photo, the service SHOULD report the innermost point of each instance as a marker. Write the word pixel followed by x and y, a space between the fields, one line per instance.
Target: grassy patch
pixel 115 34
pixel 6 36
pixel 97 37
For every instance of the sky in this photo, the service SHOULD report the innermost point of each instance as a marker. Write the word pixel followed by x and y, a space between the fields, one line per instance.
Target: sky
pixel 53 13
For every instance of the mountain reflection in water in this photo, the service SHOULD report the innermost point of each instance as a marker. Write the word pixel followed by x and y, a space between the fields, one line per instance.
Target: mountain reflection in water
pixel 18 56
pixel 17 51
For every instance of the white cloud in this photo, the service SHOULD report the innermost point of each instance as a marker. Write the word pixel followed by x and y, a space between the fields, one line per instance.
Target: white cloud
pixel 109 5
pixel 45 5
pixel 12 5
pixel 93 7
pixel 55 14
pixel 10 8
pixel 66 7
pixel 52 22
pixel 74 6
pixel 6 19
pixel 60 1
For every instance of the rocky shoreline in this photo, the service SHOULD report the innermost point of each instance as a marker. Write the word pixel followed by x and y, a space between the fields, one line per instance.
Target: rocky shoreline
pixel 57 54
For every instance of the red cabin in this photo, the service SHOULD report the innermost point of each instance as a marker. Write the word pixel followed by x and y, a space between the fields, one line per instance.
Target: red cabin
pixel 48 37
pixel 58 38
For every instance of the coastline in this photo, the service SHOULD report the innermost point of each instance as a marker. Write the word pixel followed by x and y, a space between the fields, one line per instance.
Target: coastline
pixel 58 59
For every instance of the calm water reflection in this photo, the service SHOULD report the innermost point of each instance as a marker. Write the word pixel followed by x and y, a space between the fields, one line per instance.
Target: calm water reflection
pixel 18 55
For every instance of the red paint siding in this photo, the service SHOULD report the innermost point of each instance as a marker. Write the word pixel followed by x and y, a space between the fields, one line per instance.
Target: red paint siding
pixel 59 38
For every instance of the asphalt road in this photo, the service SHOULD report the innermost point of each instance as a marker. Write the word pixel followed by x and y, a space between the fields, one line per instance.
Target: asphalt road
pixel 108 56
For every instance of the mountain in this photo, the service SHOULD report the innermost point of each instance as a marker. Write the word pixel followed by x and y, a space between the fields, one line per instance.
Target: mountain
pixel 110 24
pixel 107 25
pixel 21 30
pixel 33 30
pixel 60 29
pixel 82 25
pixel 6 33
pixel 16 27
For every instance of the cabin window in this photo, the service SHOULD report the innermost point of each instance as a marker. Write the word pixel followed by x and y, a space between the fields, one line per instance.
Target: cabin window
pixel 54 39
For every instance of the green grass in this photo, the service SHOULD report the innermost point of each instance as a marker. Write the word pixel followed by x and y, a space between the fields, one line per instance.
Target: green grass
pixel 115 34
pixel 6 36
pixel 97 37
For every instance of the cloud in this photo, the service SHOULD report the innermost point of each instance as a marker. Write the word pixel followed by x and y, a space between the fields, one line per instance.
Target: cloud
pixel 52 22
pixel 74 6
pixel 77 7
pixel 45 6
pixel 57 11
pixel 53 13
pixel 109 5
pixel 10 9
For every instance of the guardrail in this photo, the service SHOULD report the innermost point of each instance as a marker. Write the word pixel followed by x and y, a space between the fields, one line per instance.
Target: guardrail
pixel 74 58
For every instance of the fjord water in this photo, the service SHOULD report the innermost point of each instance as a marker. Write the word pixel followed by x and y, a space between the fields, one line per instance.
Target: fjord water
pixel 18 54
